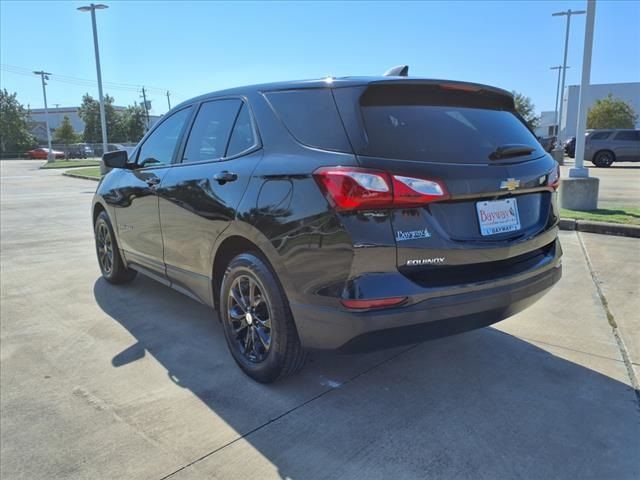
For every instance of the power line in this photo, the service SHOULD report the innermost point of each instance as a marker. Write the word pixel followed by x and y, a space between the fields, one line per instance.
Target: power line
pixel 82 82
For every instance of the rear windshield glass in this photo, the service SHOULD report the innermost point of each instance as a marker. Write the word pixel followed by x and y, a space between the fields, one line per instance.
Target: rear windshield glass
pixel 440 133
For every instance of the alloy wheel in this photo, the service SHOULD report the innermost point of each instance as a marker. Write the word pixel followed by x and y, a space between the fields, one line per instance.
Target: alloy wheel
pixel 249 316
pixel 104 246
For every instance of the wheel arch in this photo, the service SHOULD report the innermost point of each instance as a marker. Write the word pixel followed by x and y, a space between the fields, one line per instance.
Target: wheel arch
pixel 244 238
pixel 97 209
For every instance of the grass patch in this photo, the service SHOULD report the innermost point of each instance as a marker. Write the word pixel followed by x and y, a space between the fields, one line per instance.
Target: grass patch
pixel 93 172
pixel 625 215
pixel 70 163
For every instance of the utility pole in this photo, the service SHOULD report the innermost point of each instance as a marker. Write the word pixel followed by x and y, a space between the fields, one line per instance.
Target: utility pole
pixel 103 117
pixel 45 76
pixel 557 126
pixel 146 109
pixel 567 14
pixel 168 101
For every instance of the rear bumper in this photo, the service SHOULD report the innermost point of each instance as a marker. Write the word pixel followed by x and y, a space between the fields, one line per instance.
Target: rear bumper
pixel 448 313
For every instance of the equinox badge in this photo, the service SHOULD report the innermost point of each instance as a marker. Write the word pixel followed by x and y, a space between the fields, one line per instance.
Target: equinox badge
pixel 424 261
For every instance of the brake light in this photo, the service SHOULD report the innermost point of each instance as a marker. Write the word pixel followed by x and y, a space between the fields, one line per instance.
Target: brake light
pixel 373 303
pixel 553 179
pixel 460 86
pixel 352 188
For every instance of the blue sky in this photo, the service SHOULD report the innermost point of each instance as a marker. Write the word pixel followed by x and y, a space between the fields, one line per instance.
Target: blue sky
pixel 191 48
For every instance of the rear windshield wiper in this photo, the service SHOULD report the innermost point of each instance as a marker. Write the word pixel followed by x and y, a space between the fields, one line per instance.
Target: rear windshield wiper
pixel 511 150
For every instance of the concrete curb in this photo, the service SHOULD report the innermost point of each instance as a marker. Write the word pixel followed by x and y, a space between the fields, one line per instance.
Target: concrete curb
pixel 604 228
pixel 85 177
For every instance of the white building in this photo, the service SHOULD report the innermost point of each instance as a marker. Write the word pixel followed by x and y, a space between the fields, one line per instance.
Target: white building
pixel 37 120
pixel 547 124
pixel 629 92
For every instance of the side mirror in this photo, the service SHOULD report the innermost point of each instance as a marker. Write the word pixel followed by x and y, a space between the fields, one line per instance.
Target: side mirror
pixel 117 159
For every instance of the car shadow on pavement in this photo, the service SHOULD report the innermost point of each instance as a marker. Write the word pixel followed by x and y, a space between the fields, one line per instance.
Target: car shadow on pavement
pixel 483 404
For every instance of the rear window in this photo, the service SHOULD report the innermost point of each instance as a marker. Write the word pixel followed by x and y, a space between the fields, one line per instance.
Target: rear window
pixel 431 122
pixel 311 117
pixel 441 134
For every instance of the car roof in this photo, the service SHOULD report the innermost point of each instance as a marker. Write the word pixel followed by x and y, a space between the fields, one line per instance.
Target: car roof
pixel 331 82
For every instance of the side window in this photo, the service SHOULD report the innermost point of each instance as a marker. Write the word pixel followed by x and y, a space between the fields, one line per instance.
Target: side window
pixel 312 117
pixel 211 129
pixel 600 135
pixel 161 145
pixel 243 137
pixel 627 135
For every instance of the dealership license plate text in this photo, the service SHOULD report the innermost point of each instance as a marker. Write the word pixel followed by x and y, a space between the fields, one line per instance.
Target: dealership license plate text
pixel 498 216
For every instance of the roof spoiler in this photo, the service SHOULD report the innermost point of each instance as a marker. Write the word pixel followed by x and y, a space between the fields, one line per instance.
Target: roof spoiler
pixel 399 71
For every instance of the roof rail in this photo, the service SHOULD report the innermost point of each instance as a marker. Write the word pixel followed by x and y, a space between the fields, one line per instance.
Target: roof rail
pixel 399 71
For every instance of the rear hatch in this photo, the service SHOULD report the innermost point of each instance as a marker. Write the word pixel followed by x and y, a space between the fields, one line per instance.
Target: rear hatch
pixel 469 138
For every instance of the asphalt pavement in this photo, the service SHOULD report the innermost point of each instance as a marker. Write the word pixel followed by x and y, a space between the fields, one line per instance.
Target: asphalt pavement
pixel 100 381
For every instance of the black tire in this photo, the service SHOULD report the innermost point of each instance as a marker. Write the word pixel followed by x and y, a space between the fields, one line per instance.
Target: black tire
pixel 111 264
pixel 604 159
pixel 264 343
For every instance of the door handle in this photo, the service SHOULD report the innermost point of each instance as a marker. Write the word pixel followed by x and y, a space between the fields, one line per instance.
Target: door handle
pixel 224 177
pixel 153 182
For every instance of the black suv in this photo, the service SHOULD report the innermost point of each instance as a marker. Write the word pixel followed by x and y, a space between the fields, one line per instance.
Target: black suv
pixel 350 213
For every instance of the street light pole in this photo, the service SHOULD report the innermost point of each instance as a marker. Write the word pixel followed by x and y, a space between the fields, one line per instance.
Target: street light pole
pixel 555 120
pixel 579 170
pixel 103 117
pixel 45 76
pixel 579 191
pixel 567 14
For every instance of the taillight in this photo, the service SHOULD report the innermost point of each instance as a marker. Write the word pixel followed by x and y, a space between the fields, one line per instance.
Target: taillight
pixel 416 191
pixel 352 188
pixel 553 179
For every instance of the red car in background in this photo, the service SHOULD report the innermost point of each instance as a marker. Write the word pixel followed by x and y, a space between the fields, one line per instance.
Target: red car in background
pixel 42 153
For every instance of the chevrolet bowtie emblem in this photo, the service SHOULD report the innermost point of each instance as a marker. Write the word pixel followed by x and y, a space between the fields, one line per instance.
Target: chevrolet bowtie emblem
pixel 510 184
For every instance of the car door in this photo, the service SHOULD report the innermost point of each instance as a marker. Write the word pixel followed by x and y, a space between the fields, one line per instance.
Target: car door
pixel 138 220
pixel 200 194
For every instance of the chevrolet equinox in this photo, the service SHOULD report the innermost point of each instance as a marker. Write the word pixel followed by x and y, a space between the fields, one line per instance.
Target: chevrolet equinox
pixel 342 213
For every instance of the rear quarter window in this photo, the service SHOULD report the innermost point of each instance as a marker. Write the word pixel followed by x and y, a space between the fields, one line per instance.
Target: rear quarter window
pixel 310 115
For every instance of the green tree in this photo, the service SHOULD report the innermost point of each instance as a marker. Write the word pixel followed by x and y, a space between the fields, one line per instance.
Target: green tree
pixel 134 121
pixel 611 112
pixel 89 112
pixel 526 109
pixel 14 130
pixel 65 134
